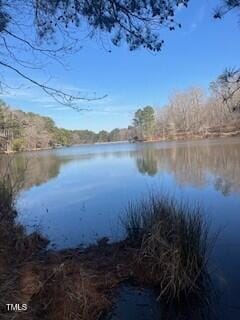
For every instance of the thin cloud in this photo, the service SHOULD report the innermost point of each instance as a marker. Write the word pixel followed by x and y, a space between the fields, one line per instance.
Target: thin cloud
pixel 197 20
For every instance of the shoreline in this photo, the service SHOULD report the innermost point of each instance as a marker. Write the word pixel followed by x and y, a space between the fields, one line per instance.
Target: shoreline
pixel 81 283
pixel 182 139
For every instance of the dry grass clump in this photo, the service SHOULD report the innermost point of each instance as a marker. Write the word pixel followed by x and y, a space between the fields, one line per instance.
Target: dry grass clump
pixel 172 245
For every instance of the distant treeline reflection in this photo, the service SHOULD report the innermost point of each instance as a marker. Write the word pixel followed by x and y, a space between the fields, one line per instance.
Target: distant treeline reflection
pixel 195 164
pixel 191 163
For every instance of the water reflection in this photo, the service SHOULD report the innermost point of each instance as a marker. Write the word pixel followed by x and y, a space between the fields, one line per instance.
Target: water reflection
pixel 77 194
pixel 64 181
pixel 191 163
pixel 147 161
pixel 31 169
pixel 196 165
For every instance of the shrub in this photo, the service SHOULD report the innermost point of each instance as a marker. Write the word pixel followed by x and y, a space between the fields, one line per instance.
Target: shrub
pixel 172 245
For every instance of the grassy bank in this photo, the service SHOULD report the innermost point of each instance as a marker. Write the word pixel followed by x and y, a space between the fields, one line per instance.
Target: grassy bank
pixel 166 248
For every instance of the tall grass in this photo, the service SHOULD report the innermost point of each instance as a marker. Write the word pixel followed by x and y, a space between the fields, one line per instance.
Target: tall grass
pixel 172 244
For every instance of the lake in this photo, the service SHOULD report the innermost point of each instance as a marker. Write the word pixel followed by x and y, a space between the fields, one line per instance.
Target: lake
pixel 77 195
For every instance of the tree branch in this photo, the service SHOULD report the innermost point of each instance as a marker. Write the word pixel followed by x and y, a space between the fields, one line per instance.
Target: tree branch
pixel 58 95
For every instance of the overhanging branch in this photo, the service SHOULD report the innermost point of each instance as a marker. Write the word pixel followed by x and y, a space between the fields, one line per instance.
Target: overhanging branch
pixel 59 96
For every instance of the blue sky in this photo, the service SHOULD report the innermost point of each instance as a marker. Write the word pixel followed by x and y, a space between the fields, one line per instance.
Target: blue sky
pixel 192 56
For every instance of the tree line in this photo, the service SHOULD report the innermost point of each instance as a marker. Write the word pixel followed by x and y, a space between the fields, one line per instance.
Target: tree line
pixel 188 114
pixel 192 114
pixel 30 131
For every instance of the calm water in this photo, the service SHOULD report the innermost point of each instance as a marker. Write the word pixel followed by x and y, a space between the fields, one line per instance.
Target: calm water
pixel 76 195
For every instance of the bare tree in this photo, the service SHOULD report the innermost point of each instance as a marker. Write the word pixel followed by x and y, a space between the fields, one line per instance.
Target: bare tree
pixel 191 113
